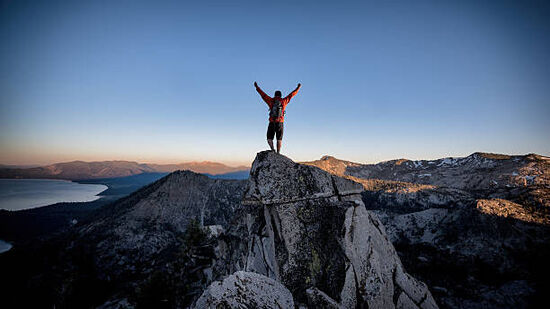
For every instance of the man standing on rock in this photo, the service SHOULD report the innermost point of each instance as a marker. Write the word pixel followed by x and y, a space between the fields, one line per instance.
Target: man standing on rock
pixel 277 107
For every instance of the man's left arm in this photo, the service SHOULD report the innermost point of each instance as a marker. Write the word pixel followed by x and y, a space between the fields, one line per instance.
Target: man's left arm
pixel 293 93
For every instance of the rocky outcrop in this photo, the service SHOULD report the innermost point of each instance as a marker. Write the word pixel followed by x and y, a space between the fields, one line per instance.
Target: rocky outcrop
pixel 245 290
pixel 311 231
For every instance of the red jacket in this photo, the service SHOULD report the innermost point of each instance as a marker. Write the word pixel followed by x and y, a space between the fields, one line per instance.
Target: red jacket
pixel 284 102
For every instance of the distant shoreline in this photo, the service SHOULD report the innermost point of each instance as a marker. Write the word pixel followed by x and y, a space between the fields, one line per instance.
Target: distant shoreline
pixel 5 246
pixel 100 194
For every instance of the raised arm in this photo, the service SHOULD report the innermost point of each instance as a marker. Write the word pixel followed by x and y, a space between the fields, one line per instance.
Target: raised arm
pixel 267 99
pixel 293 93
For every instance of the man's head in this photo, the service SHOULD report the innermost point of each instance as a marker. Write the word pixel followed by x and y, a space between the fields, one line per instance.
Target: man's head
pixel 278 94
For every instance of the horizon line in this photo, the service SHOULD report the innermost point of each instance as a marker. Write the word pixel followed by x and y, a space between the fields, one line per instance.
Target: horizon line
pixel 247 165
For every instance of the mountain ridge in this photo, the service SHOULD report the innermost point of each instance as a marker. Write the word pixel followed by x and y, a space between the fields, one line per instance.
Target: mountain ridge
pixel 523 179
pixel 78 170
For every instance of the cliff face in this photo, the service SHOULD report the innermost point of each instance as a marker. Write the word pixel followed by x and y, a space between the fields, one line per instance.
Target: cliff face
pixel 310 231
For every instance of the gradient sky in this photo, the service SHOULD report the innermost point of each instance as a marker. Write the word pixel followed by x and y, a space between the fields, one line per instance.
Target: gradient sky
pixel 172 81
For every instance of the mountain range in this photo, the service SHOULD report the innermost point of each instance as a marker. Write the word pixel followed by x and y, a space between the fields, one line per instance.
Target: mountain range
pixel 77 170
pixel 521 179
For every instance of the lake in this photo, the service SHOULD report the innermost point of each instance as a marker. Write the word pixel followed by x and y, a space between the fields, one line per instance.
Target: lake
pixel 17 194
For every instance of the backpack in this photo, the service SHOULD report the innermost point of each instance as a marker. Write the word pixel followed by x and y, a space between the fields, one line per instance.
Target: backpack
pixel 276 110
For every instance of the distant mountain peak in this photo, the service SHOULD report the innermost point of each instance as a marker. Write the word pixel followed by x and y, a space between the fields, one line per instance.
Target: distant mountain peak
pixel 326 158
pixel 492 156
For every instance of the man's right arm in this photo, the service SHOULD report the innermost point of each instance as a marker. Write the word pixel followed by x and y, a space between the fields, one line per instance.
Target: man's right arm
pixel 267 99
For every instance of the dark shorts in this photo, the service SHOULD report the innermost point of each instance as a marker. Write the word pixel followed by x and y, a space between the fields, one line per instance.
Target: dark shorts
pixel 275 128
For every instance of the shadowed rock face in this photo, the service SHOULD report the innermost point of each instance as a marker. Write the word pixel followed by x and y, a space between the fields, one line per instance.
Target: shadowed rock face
pixel 311 231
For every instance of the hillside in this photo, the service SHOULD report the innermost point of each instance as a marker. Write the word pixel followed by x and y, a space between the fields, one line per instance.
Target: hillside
pixel 78 170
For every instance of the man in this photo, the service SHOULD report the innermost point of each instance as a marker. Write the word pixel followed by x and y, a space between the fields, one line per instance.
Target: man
pixel 277 107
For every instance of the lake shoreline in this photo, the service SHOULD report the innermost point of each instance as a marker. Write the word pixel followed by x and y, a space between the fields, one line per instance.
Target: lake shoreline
pixel 25 194
pixel 21 225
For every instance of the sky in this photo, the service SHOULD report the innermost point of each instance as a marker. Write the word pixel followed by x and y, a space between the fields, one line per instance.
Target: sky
pixel 172 81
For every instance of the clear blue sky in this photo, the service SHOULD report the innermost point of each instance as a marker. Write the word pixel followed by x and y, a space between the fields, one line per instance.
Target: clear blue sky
pixel 172 81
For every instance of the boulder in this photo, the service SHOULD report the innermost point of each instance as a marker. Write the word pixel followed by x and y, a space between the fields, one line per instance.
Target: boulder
pixel 246 290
